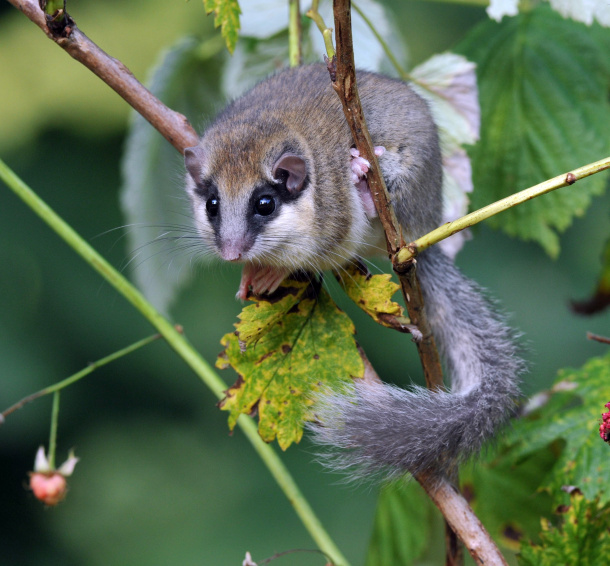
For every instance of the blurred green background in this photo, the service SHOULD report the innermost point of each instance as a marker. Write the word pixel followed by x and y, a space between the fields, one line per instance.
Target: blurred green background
pixel 160 479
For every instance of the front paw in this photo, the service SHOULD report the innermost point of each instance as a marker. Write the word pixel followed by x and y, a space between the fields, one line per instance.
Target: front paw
pixel 263 280
pixel 360 167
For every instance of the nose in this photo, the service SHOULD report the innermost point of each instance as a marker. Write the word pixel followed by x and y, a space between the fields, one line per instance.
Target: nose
pixel 232 250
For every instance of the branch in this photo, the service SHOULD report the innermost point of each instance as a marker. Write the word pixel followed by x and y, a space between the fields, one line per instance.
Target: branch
pixel 463 521
pixel 458 514
pixel 172 125
pixel 448 229
pixel 344 83
pixel 598 338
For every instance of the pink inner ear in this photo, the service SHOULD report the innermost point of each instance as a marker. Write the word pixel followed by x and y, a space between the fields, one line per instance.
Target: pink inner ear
pixel 193 159
pixel 296 168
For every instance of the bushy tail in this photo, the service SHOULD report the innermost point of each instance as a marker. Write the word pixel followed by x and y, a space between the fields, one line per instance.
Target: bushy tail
pixel 387 430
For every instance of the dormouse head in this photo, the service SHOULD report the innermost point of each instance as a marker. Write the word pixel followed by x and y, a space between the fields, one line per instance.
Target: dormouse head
pixel 251 200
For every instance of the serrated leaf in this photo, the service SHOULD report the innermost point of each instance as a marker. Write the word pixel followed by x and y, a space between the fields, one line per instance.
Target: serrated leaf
pixel 153 199
pixel 543 84
pixel 372 293
pixel 572 421
pixel 583 539
pixel 401 530
pixel 259 318
pixel 504 495
pixel 226 18
pixel 298 350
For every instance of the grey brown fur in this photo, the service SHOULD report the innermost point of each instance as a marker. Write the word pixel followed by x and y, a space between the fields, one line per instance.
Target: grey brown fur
pixel 324 224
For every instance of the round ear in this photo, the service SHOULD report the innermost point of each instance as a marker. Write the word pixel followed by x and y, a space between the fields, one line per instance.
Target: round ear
pixel 295 167
pixel 193 159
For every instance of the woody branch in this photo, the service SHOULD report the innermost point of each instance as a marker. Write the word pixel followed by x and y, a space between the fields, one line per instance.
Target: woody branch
pixel 454 507
pixel 172 125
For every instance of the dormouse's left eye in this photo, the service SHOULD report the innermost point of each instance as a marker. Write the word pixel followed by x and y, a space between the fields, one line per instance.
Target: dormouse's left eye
pixel 265 205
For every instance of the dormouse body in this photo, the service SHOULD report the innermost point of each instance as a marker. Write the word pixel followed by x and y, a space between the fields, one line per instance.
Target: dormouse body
pixel 271 182
pixel 275 184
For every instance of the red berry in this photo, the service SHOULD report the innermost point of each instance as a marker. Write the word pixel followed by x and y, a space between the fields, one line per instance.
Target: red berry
pixel 604 427
pixel 49 488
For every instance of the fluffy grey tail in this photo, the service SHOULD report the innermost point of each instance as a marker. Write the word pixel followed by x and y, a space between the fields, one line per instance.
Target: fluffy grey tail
pixel 386 430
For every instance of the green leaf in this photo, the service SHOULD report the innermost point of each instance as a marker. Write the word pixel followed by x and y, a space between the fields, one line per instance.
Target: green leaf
pixel 285 350
pixel 553 446
pixel 570 422
pixel 372 293
pixel 544 97
pixel 503 493
pixel 401 530
pixel 152 197
pixel 583 539
pixel 227 18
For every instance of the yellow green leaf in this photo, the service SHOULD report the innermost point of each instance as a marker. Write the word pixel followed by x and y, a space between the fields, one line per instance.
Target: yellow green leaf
pixel 258 318
pixel 227 18
pixel 372 293
pixel 290 348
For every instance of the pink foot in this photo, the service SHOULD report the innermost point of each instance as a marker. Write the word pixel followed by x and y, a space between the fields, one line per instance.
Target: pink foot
pixel 360 167
pixel 263 280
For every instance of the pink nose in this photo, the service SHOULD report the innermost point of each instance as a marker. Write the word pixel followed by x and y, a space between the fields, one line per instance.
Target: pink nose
pixel 231 251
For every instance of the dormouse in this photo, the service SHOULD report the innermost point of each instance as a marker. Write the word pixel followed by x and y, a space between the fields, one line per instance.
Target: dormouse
pixel 277 186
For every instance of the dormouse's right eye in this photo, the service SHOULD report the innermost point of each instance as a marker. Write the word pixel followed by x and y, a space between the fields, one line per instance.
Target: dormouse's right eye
pixel 211 206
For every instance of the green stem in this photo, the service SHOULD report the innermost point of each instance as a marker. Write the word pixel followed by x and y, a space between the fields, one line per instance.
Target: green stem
pixel 183 348
pixel 448 229
pixel 79 375
pixel 327 33
pixel 53 433
pixel 53 5
pixel 294 34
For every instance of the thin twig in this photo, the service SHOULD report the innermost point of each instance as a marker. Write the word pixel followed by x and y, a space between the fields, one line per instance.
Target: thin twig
pixel 79 375
pixel 53 432
pixel 598 338
pixel 347 90
pixel 462 519
pixel 407 254
pixel 172 125
pixel 327 33
pixel 458 514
